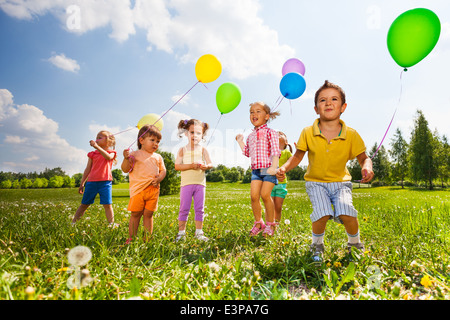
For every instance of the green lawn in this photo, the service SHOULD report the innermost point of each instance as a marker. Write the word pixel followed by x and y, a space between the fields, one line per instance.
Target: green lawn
pixel 405 231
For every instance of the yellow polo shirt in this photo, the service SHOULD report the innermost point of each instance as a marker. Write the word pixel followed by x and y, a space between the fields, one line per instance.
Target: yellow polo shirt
pixel 328 160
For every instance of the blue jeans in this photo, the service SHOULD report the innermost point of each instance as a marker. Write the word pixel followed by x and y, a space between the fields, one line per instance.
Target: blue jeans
pixel 261 174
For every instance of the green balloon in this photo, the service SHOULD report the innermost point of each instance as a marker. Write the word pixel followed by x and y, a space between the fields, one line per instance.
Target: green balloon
pixel 412 36
pixel 228 97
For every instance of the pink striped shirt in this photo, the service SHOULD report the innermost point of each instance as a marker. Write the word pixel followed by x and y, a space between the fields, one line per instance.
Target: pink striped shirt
pixel 262 144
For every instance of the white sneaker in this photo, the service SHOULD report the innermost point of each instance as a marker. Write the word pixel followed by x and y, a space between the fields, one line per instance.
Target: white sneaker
pixel 202 237
pixel 180 237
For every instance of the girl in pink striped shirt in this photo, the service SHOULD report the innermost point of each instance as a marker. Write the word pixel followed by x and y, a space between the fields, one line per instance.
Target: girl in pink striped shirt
pixel 264 151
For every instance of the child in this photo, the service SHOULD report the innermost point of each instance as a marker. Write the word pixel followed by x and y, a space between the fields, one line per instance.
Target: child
pixel 279 191
pixel 99 177
pixel 263 149
pixel 146 170
pixel 330 144
pixel 192 160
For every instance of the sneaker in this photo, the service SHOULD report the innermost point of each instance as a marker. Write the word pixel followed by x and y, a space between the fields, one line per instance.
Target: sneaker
pixel 180 237
pixel 256 230
pixel 358 246
pixel 317 252
pixel 128 241
pixel 201 236
pixel 269 229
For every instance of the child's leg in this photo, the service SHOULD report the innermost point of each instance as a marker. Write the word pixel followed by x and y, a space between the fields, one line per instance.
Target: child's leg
pixel 135 219
pixel 80 211
pixel 266 190
pixel 185 206
pixel 199 205
pixel 255 194
pixel 109 212
pixel 278 205
pixel 148 221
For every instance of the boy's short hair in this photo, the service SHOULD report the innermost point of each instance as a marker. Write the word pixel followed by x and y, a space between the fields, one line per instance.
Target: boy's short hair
pixel 148 131
pixel 328 85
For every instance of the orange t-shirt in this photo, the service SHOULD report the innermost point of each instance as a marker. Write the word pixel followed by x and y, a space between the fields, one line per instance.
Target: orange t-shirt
pixel 101 168
pixel 146 166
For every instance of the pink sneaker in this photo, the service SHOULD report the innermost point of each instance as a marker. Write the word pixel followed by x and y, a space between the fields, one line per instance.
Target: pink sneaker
pixel 269 230
pixel 256 230
pixel 128 241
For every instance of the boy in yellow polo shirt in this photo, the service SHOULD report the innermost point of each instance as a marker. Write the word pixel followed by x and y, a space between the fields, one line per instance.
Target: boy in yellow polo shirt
pixel 330 144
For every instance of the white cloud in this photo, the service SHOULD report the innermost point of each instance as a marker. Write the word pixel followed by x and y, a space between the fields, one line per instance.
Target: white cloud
pixel 31 141
pixel 64 63
pixel 231 30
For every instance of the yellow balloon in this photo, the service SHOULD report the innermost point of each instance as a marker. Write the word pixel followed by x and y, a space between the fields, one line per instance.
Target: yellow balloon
pixel 207 68
pixel 151 118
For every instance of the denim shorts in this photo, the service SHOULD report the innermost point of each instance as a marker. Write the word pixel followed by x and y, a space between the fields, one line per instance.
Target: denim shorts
pixel 261 174
pixel 103 188
pixel 330 199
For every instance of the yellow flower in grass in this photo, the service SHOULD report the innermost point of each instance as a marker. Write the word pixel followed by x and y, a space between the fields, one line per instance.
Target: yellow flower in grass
pixel 426 281
pixel 337 264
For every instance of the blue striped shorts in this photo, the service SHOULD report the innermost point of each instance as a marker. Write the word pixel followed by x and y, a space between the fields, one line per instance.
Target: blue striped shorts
pixel 330 199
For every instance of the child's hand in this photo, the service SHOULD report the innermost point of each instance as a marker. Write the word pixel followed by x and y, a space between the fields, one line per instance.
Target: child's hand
pixel 196 166
pixel 81 190
pixel 272 171
pixel 281 174
pixel 155 181
pixel 126 153
pixel 367 174
pixel 204 167
pixel 240 138
pixel 93 144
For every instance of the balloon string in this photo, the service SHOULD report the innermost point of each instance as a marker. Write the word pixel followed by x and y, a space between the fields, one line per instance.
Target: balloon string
pixel 164 113
pixel 398 104
pixel 115 134
pixel 278 105
pixel 214 129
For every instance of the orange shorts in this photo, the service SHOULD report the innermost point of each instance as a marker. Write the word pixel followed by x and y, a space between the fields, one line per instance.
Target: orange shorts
pixel 147 199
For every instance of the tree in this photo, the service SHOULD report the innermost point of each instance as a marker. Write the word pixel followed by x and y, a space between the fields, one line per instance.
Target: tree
pixel 399 155
pixel 171 183
pixel 422 157
pixel 25 183
pixel 6 184
pixel 443 159
pixel 56 182
pixel 233 175
pixel 381 165
pixel 118 177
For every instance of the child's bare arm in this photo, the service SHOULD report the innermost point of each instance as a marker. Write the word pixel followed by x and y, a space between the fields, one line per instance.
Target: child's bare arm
pixel 366 167
pixel 292 162
pixel 103 152
pixel 126 163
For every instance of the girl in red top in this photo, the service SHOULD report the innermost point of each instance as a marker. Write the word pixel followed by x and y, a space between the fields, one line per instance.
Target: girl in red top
pixel 99 177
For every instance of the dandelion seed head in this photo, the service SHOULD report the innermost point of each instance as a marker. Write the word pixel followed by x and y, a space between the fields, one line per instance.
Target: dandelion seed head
pixel 79 256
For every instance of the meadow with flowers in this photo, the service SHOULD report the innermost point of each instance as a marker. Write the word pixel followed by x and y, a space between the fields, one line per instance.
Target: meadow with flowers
pixel 405 232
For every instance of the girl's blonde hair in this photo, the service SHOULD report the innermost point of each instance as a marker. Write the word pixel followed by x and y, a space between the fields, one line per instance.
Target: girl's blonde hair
pixel 287 144
pixel 184 125
pixel 111 141
pixel 272 114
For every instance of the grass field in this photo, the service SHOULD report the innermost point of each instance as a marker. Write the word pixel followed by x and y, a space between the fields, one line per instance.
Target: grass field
pixel 405 232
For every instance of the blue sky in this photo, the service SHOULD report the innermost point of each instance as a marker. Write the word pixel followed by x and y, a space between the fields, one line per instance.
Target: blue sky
pixel 70 68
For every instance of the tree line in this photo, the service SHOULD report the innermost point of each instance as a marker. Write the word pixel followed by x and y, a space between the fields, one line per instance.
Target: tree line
pixel 423 162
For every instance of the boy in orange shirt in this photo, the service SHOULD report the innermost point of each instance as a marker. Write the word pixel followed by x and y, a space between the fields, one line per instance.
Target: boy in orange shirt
pixel 146 170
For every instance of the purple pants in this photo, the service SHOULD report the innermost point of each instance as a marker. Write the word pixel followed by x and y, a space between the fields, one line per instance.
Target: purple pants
pixel 196 191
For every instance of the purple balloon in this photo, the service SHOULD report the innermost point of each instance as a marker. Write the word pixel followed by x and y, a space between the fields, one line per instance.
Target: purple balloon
pixel 293 65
